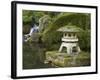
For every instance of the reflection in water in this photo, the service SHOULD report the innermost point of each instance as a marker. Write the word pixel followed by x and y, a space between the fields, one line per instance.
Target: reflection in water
pixel 34 52
pixel 34 56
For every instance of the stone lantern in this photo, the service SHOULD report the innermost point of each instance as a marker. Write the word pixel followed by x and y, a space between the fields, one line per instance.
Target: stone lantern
pixel 70 39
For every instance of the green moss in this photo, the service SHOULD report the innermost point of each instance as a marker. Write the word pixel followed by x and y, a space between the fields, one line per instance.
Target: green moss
pixel 65 60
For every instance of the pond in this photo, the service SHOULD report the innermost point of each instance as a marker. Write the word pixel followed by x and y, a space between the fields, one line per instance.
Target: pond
pixel 34 56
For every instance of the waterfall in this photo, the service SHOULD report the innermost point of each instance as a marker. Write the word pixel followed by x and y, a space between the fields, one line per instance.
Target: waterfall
pixel 34 29
pixel 43 23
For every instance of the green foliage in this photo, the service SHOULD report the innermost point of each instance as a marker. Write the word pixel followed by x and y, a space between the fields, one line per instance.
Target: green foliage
pixel 27 19
pixel 78 19
pixel 84 40
pixel 28 15
pixel 51 36
pixel 34 54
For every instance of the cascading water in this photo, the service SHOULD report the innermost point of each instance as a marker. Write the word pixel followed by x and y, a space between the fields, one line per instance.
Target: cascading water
pixel 36 48
pixel 34 29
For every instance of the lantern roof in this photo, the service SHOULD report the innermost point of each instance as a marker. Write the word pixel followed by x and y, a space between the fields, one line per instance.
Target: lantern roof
pixel 69 28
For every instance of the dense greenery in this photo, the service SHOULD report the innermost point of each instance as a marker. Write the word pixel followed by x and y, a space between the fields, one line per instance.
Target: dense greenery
pixel 29 14
pixel 50 35
pixel 50 38
pixel 27 19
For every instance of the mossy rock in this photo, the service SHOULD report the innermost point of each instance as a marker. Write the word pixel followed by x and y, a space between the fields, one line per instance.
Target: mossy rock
pixel 65 60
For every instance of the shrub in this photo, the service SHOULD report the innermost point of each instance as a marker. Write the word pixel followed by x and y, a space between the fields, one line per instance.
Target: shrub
pixel 51 36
